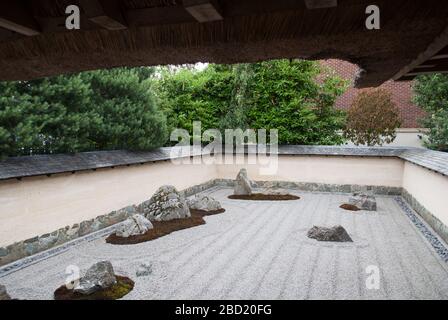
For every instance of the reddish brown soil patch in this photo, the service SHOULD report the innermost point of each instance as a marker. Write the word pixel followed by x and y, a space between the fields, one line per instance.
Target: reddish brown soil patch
pixel 206 213
pixel 350 207
pixel 123 286
pixel 163 228
pixel 265 197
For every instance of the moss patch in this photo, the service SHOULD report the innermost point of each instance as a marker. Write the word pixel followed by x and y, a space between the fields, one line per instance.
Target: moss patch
pixel 163 228
pixel 123 286
pixel 349 207
pixel 265 197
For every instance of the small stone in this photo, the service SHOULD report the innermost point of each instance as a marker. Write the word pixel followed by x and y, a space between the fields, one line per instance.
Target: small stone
pixel 274 192
pixel 134 226
pixel 243 185
pixel 204 203
pixel 3 252
pixel 144 270
pixel 4 294
pixel 335 234
pixel 31 248
pixel 100 276
pixel 363 201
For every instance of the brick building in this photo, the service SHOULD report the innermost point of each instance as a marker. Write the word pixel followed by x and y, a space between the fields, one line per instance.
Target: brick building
pixel 410 133
pixel 401 93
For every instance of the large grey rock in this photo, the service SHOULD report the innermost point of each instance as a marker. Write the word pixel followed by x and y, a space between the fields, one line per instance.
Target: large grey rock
pixel 165 205
pixel 363 201
pixel 100 276
pixel 335 234
pixel 205 203
pixel 4 294
pixel 243 186
pixel 134 226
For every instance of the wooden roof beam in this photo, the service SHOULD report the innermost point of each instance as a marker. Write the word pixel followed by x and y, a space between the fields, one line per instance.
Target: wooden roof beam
pixel 430 54
pixel 204 10
pixel 439 57
pixel 321 4
pixel 15 16
pixel 417 73
pixel 105 13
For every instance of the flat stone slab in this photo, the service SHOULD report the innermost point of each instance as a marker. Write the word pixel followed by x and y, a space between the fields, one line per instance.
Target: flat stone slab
pixel 261 251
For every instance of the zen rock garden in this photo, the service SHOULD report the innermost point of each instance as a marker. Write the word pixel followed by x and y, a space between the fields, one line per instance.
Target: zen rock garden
pixel 359 202
pixel 244 190
pixel 167 211
pixel 363 201
pixel 99 283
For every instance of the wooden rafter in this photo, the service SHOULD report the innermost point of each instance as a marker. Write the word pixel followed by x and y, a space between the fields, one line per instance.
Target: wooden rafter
pixel 14 16
pixel 430 54
pixel 320 4
pixel 105 13
pixel 204 10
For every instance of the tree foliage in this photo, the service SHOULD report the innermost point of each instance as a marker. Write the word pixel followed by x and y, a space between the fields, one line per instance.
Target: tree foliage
pixel 431 94
pixel 135 108
pixel 100 110
pixel 287 95
pixel 280 94
pixel 372 118
pixel 187 95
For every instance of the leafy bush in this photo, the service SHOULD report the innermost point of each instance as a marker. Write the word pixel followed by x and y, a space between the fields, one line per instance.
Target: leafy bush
pixel 431 94
pixel 280 94
pixel 372 118
pixel 100 110
pixel 187 95
pixel 287 95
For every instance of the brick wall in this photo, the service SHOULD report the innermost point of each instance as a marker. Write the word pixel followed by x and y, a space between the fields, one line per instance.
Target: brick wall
pixel 401 93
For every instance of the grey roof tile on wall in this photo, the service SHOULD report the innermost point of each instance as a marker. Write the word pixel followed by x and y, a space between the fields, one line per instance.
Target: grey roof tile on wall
pixel 29 166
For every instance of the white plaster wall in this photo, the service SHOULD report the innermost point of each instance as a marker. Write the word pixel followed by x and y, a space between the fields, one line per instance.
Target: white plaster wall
pixel 428 188
pixel 36 206
pixel 406 138
pixel 330 170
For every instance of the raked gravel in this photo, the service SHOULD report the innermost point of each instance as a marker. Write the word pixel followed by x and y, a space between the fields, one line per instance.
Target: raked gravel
pixel 259 250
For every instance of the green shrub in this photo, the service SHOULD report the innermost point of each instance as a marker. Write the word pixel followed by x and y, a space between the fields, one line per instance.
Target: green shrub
pixel 99 110
pixel 431 94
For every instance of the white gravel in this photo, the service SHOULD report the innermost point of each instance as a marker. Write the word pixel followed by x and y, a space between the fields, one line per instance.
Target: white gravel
pixel 259 250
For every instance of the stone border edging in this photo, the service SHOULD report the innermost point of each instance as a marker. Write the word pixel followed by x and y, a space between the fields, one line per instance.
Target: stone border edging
pixel 36 245
pixel 438 246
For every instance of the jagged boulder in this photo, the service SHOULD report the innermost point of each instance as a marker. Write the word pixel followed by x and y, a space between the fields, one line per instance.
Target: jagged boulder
pixel 363 201
pixel 335 234
pixel 134 226
pixel 204 203
pixel 4 294
pixel 165 205
pixel 100 276
pixel 243 186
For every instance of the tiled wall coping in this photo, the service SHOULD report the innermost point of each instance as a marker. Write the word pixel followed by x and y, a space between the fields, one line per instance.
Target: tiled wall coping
pixel 41 165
